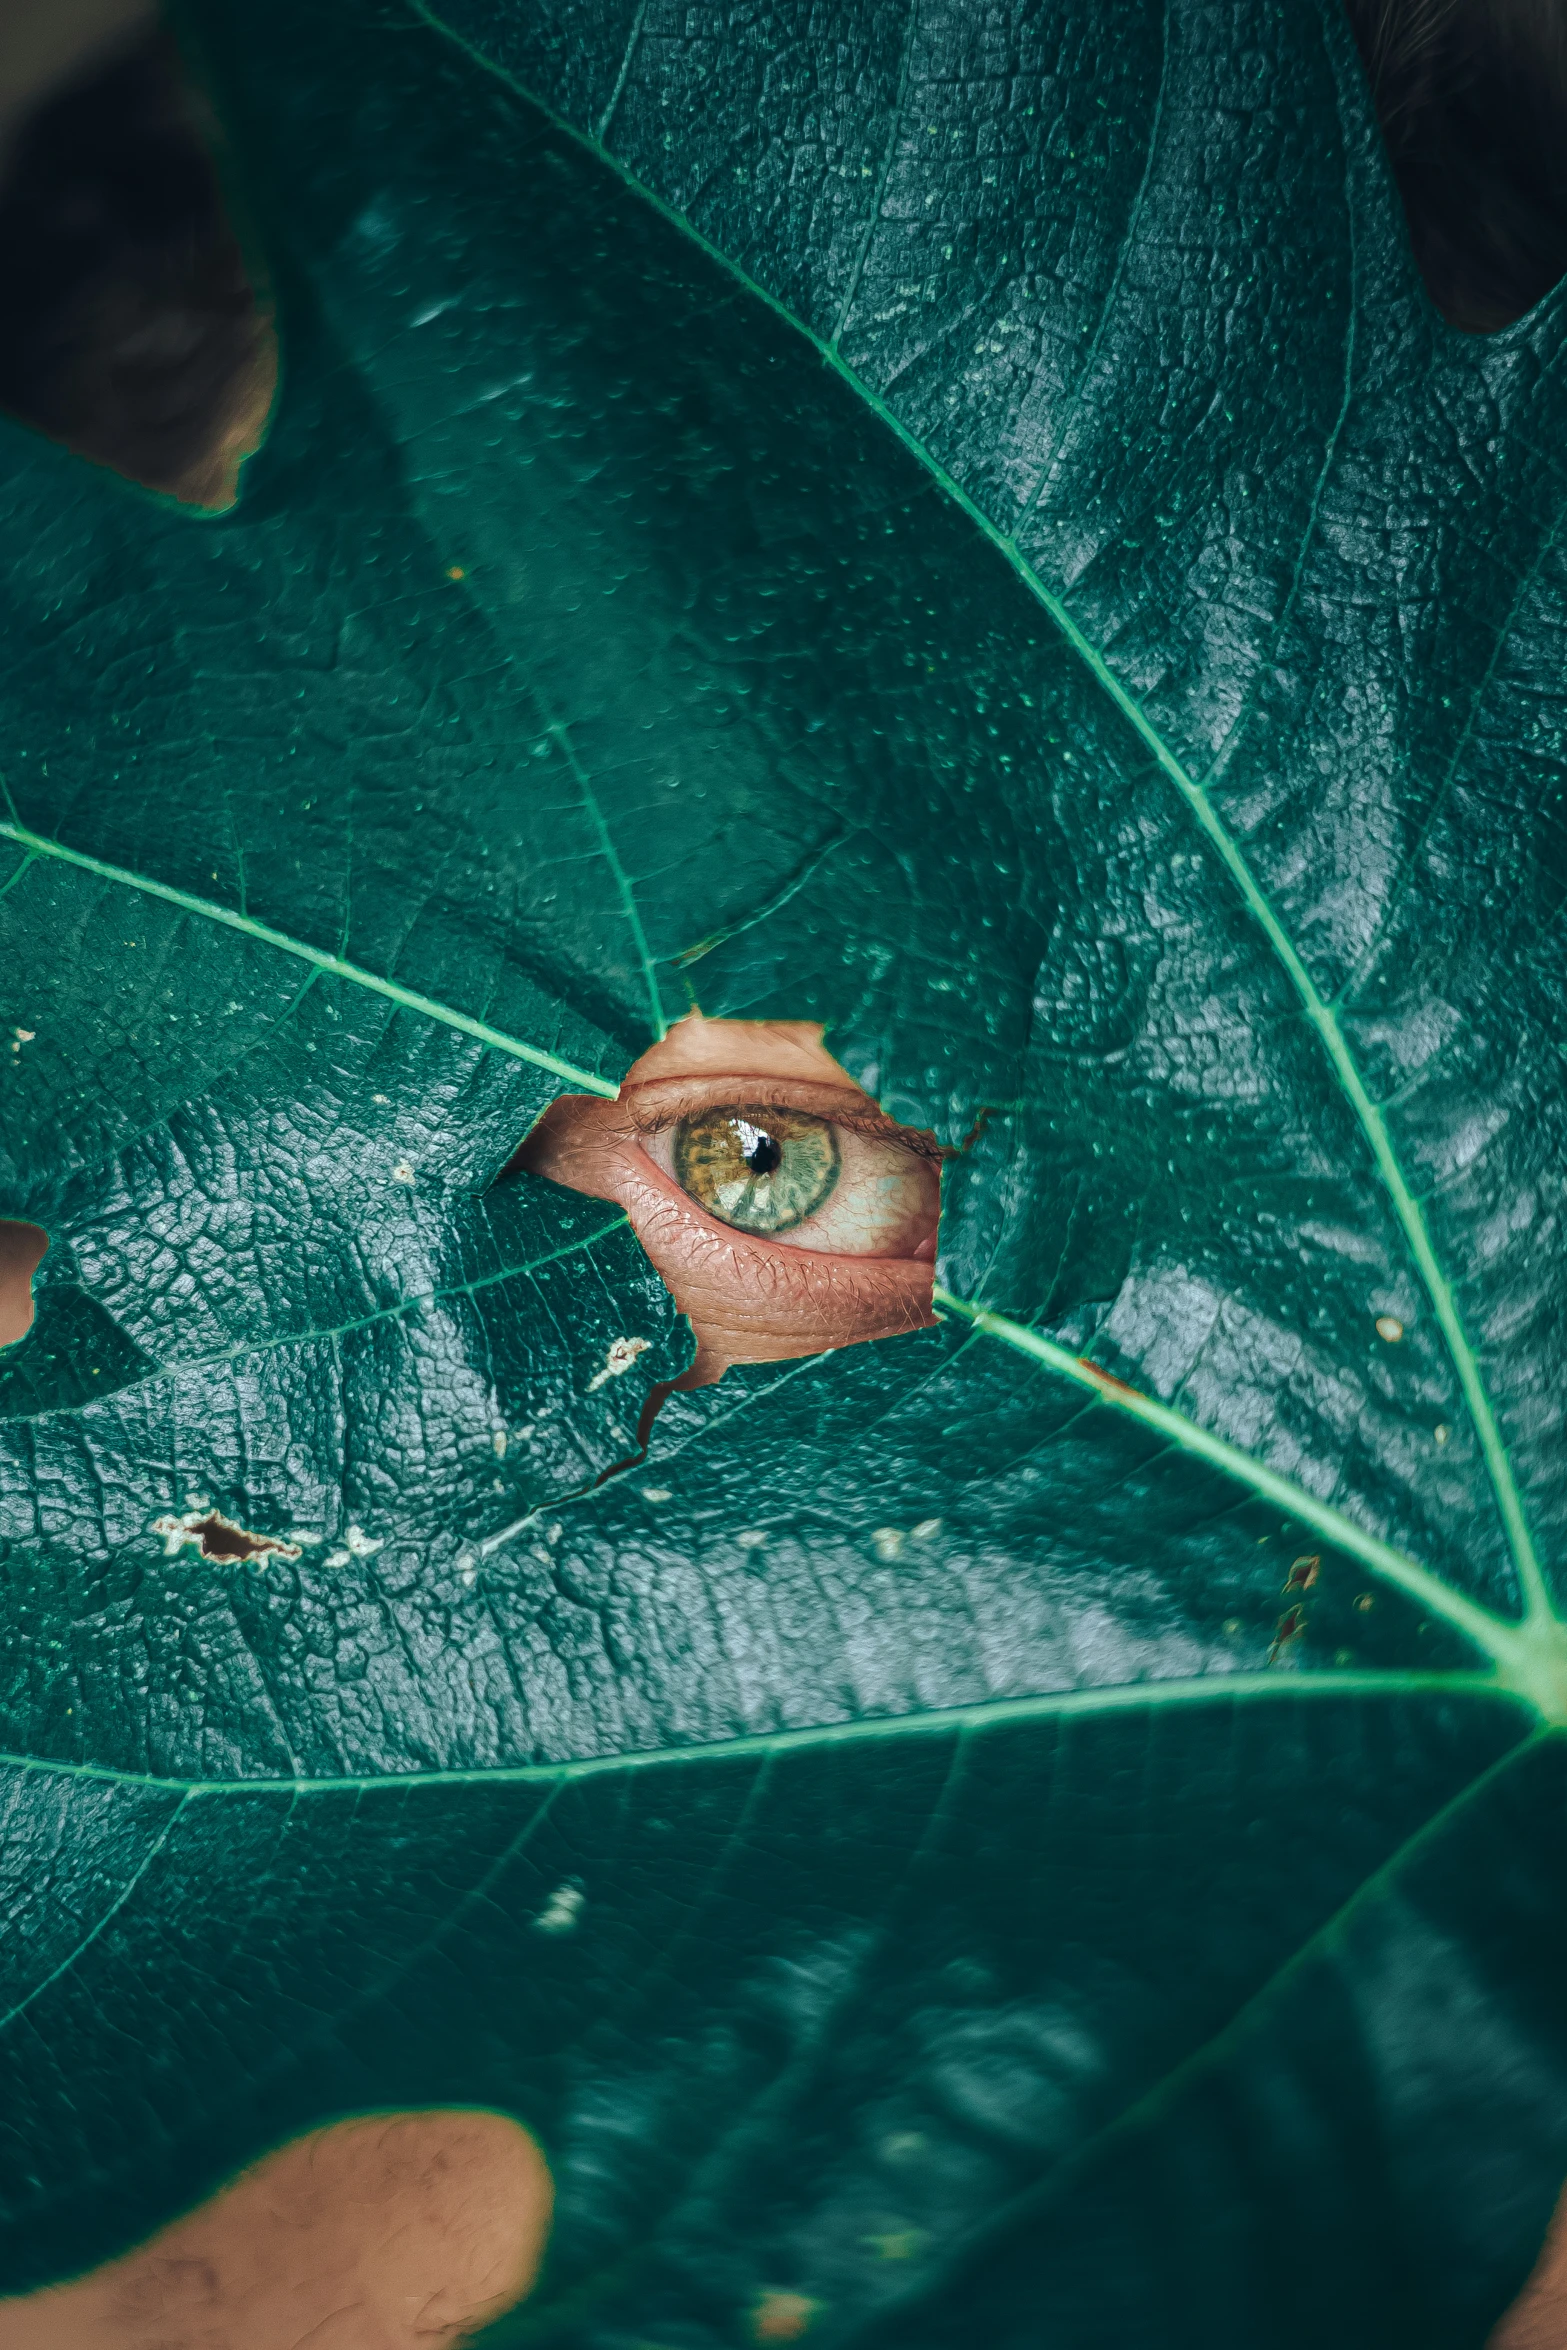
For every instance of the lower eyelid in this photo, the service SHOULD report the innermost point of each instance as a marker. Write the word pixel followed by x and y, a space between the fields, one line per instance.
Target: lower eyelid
pixel 831 1287
pixel 749 1296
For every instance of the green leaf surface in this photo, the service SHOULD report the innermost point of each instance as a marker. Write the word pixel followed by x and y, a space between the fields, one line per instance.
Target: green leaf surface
pixel 960 524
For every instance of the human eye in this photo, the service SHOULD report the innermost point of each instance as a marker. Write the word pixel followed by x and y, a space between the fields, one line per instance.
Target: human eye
pixel 844 1185
pixel 787 1215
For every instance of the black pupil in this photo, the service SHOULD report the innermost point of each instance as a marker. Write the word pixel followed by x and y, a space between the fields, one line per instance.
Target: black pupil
pixel 763 1155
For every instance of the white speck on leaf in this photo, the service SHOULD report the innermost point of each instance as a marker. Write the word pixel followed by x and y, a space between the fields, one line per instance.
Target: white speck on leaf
pixel 657 1493
pixel 622 1354
pixel 895 2243
pixel 1441 1432
pixel 361 1545
pixel 887 1542
pixel 751 1539
pixel 403 1173
pixel 927 1529
pixel 562 1913
pixel 1390 1327
pixel 498 1444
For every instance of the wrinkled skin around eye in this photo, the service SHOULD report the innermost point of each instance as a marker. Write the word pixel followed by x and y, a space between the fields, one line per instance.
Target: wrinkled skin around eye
pixel 857 1266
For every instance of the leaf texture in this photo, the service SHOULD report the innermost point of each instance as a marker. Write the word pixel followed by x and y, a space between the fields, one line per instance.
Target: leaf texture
pixel 960 524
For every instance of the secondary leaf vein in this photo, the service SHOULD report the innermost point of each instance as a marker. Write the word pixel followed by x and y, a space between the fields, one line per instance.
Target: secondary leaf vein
pixel 406 998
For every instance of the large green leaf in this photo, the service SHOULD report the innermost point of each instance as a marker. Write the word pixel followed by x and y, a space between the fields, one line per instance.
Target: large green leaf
pixel 960 524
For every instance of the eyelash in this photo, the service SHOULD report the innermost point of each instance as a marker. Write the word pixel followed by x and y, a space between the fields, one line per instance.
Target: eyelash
pixel 659 1119
pixel 886 1206
pixel 856 1263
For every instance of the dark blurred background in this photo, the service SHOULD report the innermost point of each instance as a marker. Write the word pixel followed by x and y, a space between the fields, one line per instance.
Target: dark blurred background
pixel 133 330
pixel 130 326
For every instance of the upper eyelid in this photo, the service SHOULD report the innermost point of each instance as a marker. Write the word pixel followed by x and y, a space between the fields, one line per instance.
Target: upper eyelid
pixel 657 1118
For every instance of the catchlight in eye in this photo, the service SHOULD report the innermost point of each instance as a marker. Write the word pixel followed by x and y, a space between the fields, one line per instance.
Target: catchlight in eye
pixel 759 1170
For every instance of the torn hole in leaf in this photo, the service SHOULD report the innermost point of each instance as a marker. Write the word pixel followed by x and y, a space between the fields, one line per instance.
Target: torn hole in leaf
pixel 1288 1633
pixel 218 1537
pixel 22 1248
pixel 132 329
pixel 784 1212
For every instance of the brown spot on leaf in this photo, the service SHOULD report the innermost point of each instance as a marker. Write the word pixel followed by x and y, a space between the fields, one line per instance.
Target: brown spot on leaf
pixel 1303 1574
pixel 217 1537
pixel 1289 1628
pixel 782 2317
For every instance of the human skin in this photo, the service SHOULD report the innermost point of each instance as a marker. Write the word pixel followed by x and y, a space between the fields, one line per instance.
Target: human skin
pixel 407 2232
pixel 749 1300
pixel 386 2232
pixel 21 1251
pixel 1537 2320
pixel 378 2233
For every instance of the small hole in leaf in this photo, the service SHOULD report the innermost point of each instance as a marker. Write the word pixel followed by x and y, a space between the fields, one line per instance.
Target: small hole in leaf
pixel 1287 1632
pixel 130 329
pixel 21 1252
pixel 217 1537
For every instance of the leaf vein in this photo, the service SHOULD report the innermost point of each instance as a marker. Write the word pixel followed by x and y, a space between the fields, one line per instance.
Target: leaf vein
pixel 406 998
pixel 1154 1695
pixel 1532 1586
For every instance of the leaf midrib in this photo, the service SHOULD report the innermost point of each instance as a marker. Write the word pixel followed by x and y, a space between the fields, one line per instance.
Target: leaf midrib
pixel 1493 1633
pixel 1393 1566
pixel 1534 1592
pixel 767 1745
pixel 1058 2181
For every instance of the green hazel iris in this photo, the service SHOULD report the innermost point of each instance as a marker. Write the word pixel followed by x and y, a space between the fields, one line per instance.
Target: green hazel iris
pixel 760 1170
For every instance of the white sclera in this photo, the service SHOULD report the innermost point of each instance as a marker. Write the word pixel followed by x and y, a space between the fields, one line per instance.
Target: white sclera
pixel 883 1204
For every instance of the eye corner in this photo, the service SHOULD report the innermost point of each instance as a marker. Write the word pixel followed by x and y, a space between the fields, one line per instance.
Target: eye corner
pixel 831 1245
